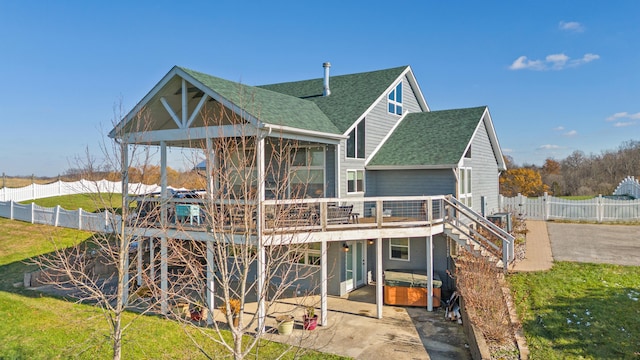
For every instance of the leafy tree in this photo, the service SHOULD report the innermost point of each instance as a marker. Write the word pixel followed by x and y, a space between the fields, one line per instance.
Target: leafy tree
pixel 525 181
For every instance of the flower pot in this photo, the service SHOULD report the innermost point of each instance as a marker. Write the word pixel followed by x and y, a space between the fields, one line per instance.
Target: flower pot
pixel 199 314
pixel 310 322
pixel 285 324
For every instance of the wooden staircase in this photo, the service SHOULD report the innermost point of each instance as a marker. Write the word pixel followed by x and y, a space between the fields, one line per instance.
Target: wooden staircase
pixel 475 233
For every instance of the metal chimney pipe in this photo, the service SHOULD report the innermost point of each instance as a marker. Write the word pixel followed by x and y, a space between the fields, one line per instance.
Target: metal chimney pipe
pixel 325 84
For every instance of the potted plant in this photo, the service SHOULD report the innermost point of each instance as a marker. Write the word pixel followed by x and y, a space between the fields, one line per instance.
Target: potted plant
pixel 310 319
pixel 198 312
pixel 285 324
pixel 234 307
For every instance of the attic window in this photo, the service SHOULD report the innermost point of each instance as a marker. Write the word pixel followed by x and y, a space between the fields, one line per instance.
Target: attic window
pixel 394 100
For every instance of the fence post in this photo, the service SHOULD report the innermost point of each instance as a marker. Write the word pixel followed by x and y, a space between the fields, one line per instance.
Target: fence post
pixel 520 204
pixel 11 209
pixel 79 218
pixel 33 213
pixel 57 216
pixel 600 208
pixel 546 206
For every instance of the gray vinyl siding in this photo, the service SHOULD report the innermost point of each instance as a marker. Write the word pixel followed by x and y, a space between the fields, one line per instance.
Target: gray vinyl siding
pixel 410 182
pixel 417 256
pixel 380 122
pixel 484 173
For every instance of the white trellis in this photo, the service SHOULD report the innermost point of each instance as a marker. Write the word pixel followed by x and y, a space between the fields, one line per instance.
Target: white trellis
pixel 629 187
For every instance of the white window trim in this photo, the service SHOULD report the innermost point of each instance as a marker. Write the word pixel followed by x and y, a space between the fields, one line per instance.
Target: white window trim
pixel 395 102
pixel 408 249
pixel 465 197
pixel 356 178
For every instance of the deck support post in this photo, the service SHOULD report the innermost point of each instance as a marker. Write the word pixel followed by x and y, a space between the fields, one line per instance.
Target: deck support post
pixel 164 306
pixel 163 224
pixel 323 283
pixel 261 288
pixel 139 263
pixel 430 272
pixel 379 279
pixel 211 298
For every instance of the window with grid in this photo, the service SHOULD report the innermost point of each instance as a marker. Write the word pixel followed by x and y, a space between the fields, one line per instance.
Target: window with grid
pixel 394 100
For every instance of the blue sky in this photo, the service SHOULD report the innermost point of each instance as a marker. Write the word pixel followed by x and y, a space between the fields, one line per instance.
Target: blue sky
pixel 558 76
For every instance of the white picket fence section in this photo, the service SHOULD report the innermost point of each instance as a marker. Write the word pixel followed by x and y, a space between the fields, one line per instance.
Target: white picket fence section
pixel 60 188
pixel 599 209
pixel 57 216
pixel 10 207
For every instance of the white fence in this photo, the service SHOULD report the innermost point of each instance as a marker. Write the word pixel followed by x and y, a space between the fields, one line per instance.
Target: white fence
pixel 74 219
pixel 599 209
pixel 59 188
pixel 57 216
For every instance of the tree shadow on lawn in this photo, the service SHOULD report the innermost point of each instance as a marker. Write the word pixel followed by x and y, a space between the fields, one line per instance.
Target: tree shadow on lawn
pixel 602 324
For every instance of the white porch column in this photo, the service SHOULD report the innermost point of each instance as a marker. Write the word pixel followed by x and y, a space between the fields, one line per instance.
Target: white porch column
pixel 323 283
pixel 430 272
pixel 163 221
pixel 152 263
pixel 379 279
pixel 261 289
pixel 164 307
pixel 125 242
pixel 139 267
pixel 211 298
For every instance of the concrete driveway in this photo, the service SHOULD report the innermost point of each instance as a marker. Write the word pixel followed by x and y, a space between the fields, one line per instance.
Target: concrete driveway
pixel 595 243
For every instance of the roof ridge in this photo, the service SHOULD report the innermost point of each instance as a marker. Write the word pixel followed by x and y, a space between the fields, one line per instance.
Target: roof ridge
pixel 336 76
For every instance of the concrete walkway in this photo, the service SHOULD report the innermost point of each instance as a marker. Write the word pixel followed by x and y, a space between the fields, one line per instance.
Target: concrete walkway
pixel 538 252
pixel 354 331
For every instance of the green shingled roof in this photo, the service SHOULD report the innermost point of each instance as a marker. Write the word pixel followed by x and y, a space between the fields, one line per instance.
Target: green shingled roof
pixel 429 138
pixel 269 106
pixel 351 95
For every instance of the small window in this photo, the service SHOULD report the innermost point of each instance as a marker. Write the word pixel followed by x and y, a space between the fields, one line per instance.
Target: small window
pixel 394 100
pixel 355 181
pixel 355 142
pixel 465 194
pixel 399 249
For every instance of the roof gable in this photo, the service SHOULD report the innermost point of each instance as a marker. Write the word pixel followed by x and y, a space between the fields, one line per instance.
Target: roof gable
pixel 436 138
pixel 351 95
pixel 268 106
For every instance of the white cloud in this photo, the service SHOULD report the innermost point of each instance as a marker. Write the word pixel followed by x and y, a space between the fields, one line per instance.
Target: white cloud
pixel 506 150
pixel 549 147
pixel 573 26
pixel 559 128
pixel 552 61
pixel 571 133
pixel 523 63
pixel 623 119
pixel 557 61
pixel 624 123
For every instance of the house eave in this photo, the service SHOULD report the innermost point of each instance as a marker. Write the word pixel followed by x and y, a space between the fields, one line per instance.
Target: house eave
pixel 411 167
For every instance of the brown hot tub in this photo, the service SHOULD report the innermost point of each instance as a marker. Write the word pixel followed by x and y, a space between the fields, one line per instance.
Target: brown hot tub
pixel 410 288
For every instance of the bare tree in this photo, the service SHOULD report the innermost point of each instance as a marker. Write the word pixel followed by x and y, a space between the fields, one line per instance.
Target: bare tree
pixel 97 271
pixel 234 259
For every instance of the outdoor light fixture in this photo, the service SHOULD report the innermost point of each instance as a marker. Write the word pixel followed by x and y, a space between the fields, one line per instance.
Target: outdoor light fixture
pixel 345 247
pixel 371 241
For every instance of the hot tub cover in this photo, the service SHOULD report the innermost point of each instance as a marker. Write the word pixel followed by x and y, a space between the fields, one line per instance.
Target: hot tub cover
pixel 409 278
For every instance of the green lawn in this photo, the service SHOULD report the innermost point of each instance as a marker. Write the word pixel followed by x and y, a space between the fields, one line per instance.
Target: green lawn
pixel 580 311
pixel 88 202
pixel 35 326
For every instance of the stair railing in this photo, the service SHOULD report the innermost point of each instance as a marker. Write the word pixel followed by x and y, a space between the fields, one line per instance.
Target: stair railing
pixel 469 222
